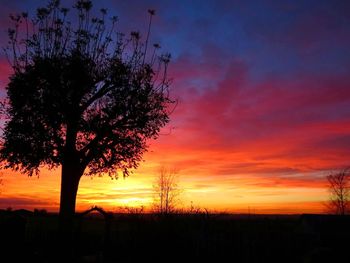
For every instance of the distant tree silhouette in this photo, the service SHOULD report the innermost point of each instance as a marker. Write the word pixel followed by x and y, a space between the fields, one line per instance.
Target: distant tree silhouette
pixel 166 190
pixel 82 96
pixel 339 187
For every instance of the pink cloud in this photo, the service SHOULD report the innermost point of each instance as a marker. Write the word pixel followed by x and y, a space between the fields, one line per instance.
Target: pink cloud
pixel 5 71
pixel 277 126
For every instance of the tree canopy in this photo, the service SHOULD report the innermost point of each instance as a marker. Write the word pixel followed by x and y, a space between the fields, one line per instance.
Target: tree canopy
pixel 81 92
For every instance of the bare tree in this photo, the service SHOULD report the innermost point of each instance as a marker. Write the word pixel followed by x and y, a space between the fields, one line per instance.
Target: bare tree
pixel 166 190
pixel 339 187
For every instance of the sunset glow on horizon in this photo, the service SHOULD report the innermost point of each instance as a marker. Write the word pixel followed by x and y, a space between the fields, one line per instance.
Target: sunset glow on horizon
pixel 263 113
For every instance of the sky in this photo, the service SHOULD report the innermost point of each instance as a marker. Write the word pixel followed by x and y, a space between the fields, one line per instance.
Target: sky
pixel 263 114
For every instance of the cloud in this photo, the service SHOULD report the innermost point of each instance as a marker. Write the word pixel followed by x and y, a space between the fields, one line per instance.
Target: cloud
pixel 119 194
pixel 272 126
pixel 27 202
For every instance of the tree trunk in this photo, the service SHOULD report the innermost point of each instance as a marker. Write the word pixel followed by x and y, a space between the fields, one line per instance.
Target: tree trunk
pixel 69 187
pixel 72 170
pixel 70 178
pixel 71 173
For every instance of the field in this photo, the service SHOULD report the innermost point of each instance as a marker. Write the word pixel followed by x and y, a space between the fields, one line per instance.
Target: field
pixel 179 238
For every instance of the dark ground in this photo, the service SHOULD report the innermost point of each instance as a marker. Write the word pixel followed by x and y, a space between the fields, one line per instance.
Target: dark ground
pixel 32 237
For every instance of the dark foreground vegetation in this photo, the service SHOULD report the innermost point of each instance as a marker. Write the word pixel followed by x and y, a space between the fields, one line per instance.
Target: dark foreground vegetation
pixel 32 237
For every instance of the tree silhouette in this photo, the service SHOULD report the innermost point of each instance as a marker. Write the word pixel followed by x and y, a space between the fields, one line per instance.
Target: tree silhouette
pixel 339 187
pixel 82 96
pixel 167 191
